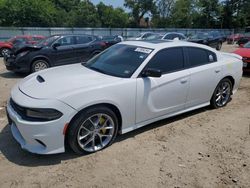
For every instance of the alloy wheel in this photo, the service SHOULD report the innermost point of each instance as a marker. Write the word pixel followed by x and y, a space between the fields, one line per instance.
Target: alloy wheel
pixel 223 93
pixel 96 132
pixel 40 65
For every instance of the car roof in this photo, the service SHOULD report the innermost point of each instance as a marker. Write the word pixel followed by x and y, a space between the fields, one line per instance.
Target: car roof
pixel 161 44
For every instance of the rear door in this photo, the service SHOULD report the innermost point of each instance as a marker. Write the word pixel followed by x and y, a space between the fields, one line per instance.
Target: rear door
pixel 83 48
pixel 64 54
pixel 205 74
pixel 165 95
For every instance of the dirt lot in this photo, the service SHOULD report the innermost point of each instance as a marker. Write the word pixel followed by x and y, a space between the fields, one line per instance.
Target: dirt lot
pixel 204 148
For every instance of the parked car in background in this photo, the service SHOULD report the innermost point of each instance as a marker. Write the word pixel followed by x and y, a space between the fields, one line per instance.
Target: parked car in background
pixel 129 85
pixel 212 39
pixel 244 39
pixel 111 40
pixel 245 53
pixel 54 51
pixel 234 38
pixel 147 36
pixel 6 47
pixel 174 35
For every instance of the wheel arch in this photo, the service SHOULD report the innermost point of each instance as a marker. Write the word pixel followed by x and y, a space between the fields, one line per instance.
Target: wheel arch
pixel 39 57
pixel 114 108
pixel 231 79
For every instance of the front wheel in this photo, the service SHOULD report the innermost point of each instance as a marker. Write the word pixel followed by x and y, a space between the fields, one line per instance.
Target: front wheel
pixel 219 45
pixel 4 51
pixel 222 94
pixel 93 130
pixel 39 65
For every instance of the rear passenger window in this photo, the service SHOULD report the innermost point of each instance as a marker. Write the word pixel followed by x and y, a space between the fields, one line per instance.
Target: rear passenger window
pixel 167 60
pixel 83 39
pixel 199 56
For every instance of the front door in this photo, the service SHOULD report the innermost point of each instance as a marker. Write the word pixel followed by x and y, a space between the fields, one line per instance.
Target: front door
pixel 165 95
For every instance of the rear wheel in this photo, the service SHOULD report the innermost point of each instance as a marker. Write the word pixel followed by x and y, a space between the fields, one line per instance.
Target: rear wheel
pixel 38 65
pixel 222 94
pixel 93 130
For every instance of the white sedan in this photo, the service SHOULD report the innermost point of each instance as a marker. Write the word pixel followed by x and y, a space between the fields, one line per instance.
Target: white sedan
pixel 129 85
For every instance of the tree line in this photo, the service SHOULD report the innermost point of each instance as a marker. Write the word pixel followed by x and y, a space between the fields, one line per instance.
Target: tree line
pixel 139 13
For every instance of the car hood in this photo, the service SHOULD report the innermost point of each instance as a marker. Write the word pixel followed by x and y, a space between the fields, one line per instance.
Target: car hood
pixel 244 52
pixel 25 47
pixel 61 81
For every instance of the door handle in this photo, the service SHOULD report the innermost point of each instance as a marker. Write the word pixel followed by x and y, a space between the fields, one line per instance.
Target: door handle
pixel 183 81
pixel 217 71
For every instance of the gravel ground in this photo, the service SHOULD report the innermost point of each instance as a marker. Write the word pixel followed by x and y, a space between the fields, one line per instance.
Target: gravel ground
pixel 203 148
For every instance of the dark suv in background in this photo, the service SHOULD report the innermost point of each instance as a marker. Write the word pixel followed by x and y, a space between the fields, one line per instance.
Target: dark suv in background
pixel 213 39
pixel 53 51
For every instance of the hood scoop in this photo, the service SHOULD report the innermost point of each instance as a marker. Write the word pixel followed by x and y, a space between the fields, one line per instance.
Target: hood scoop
pixel 40 79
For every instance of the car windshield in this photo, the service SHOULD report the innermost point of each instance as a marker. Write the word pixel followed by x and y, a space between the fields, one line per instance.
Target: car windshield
pixel 247 45
pixel 119 60
pixel 47 41
pixel 200 36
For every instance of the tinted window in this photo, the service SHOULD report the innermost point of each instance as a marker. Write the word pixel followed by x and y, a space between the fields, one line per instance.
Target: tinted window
pixel 200 56
pixel 68 40
pixel 167 60
pixel 169 37
pixel 83 39
pixel 119 60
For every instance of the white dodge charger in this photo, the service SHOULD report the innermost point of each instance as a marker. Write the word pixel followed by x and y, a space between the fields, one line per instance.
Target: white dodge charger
pixel 129 85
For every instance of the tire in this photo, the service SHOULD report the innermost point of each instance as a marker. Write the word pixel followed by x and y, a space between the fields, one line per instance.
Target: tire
pixel 219 45
pixel 39 64
pixel 92 130
pixel 222 94
pixel 4 51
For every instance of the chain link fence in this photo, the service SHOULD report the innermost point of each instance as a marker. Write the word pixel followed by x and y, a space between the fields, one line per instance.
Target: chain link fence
pixel 7 32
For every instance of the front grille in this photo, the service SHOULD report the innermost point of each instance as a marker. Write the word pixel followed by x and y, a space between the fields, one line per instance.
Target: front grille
pixel 18 109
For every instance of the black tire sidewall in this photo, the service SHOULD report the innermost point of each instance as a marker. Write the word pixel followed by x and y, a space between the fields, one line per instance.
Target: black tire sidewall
pixel 80 118
pixel 213 102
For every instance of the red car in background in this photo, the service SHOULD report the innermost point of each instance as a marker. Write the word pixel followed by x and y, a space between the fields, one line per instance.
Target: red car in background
pixel 234 38
pixel 245 53
pixel 6 46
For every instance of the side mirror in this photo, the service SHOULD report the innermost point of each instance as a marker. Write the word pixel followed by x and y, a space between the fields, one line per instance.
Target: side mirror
pixel 151 73
pixel 55 45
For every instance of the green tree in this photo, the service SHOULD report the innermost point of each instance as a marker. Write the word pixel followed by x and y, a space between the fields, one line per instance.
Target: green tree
pixel 209 13
pixel 183 13
pixel 84 15
pixel 112 17
pixel 139 8
pixel 27 13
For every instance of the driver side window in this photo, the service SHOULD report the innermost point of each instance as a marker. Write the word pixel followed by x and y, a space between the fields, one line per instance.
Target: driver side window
pixel 167 60
pixel 65 41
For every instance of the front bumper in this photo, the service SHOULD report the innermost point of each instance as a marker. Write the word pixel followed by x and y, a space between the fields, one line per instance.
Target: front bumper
pixel 39 137
pixel 246 66
pixel 16 64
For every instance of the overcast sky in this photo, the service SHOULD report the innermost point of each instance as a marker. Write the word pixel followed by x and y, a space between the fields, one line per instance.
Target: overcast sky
pixel 115 3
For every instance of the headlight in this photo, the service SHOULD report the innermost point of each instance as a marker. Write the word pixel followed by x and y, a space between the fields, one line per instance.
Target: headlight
pixel 43 114
pixel 23 53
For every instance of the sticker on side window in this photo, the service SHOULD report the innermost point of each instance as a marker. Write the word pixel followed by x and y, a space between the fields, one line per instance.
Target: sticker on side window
pixel 143 50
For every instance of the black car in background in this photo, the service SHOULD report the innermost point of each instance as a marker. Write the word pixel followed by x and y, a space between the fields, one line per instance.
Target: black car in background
pixel 53 51
pixel 212 39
